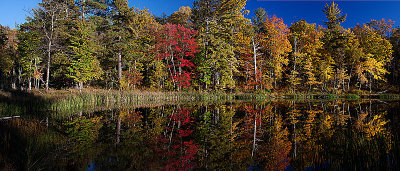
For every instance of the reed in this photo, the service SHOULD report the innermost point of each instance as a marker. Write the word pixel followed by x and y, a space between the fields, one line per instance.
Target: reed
pixel 64 102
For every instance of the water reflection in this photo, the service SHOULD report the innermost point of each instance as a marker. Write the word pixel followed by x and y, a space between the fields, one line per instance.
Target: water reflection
pixel 230 136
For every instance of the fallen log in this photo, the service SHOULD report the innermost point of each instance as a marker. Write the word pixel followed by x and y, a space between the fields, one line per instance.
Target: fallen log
pixel 9 117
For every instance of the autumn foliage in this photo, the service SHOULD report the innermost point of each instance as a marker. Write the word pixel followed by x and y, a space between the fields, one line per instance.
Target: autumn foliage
pixel 177 146
pixel 212 46
pixel 177 46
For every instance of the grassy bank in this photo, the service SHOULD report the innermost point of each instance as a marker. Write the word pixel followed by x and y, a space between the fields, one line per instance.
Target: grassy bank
pixel 91 99
pixel 71 101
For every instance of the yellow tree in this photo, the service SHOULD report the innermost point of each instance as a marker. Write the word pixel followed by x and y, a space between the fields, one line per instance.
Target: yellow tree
pixel 378 53
pixel 306 40
pixel 375 69
pixel 277 46
pixel 241 32
pixel 243 51
pixel 181 17
pixel 311 80
pixel 341 76
pixel 355 54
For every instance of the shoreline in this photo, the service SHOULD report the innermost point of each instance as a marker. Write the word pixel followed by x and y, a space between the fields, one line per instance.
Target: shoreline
pixel 66 103
pixel 116 96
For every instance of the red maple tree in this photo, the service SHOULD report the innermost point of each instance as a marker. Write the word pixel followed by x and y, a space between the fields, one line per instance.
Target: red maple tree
pixel 176 46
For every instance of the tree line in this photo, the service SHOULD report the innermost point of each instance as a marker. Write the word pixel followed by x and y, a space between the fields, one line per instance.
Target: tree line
pixel 211 46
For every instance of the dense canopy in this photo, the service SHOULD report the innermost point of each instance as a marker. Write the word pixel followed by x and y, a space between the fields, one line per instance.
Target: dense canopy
pixel 209 46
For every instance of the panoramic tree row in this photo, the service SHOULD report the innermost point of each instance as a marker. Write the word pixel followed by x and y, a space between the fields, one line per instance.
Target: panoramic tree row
pixel 211 46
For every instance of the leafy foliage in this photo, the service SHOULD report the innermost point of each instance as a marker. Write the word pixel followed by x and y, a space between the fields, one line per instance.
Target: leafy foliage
pixel 210 46
pixel 84 65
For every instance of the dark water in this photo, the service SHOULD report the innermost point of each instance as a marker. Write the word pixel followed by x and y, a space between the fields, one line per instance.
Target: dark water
pixel 281 135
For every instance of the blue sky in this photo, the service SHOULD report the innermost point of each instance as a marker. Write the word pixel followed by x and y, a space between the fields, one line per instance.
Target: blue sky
pixel 14 11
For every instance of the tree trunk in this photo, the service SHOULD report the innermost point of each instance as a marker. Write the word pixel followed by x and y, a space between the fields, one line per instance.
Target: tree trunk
pixel 206 57
pixel 80 86
pixel 173 65
pixel 205 76
pixel 13 80
pixel 20 79
pixel 83 10
pixel 180 75
pixel 344 88
pixel 48 66
pixel 216 78
pixel 254 135
pixel 119 62
pixel 294 131
pixel 29 83
pixel 134 85
pixel 370 84
pixel 36 79
pixel 206 52
pixel 255 62
pixel 50 43
pixel 170 72
pixel 348 83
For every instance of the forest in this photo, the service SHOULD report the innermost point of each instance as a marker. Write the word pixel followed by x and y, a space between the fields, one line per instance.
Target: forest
pixel 211 46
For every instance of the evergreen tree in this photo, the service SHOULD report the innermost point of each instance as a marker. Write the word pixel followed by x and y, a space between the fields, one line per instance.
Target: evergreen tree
pixel 334 42
pixel 216 21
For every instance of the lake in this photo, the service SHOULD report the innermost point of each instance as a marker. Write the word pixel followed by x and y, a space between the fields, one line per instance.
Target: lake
pixel 237 135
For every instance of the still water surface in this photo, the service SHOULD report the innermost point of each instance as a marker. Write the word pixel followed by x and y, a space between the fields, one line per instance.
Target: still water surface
pixel 279 135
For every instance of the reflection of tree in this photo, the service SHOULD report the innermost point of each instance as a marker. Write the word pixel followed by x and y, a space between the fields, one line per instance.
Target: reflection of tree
pixel 293 119
pixel 277 147
pixel 27 144
pixel 244 143
pixel 309 149
pixel 332 139
pixel 340 116
pixel 322 135
pixel 175 146
pixel 133 121
pixel 83 133
pixel 125 144
pixel 371 127
pixel 216 132
pixel 252 128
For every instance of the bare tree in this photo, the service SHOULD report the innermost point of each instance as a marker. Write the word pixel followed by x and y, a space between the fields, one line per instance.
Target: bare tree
pixel 48 16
